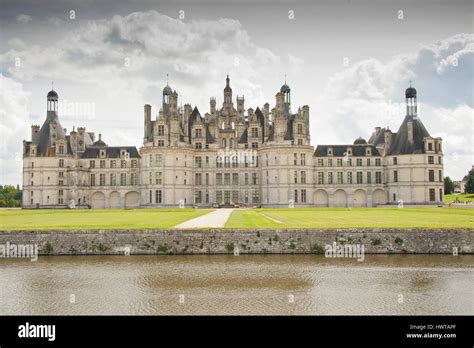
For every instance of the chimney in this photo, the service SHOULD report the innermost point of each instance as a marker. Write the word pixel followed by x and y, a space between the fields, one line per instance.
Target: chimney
pixel 147 119
pixel 34 133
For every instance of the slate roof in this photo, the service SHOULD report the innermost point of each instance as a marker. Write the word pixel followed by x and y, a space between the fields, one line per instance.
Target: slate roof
pixel 111 152
pixel 44 143
pixel 339 150
pixel 400 144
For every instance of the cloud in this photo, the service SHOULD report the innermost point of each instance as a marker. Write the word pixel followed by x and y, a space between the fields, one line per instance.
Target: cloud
pixel 131 52
pixel 23 18
pixel 371 93
pixel 14 126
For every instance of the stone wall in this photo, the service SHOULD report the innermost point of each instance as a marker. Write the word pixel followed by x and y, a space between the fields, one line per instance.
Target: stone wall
pixel 221 241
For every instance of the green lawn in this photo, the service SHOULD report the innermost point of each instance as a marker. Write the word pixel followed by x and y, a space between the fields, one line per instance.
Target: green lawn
pixel 352 218
pixel 15 219
pixel 463 197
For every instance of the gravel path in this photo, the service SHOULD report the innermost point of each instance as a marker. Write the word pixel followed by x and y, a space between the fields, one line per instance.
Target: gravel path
pixel 217 218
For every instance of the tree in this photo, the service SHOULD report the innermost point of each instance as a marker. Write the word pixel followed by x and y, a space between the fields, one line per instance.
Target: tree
pixel 448 186
pixel 470 182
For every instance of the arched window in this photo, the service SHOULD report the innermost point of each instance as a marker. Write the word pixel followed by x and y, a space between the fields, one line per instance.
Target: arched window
pixel 224 143
pixel 231 143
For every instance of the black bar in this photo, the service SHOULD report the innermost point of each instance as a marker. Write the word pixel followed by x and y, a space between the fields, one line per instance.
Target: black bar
pixel 259 330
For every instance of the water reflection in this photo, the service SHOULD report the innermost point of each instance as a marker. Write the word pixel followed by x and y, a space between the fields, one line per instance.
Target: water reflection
pixel 271 284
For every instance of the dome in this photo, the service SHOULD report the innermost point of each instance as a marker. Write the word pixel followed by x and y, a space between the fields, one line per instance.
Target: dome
pixel 285 88
pixel 360 141
pixel 99 142
pixel 410 92
pixel 52 94
pixel 167 90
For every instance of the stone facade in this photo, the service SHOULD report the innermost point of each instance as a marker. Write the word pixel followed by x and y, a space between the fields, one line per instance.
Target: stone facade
pixel 230 156
pixel 225 241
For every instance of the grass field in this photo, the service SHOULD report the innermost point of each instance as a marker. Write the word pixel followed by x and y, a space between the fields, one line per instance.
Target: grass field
pixel 15 219
pixel 463 197
pixel 352 218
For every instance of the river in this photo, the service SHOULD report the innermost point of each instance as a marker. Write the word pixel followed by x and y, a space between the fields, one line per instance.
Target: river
pixel 246 284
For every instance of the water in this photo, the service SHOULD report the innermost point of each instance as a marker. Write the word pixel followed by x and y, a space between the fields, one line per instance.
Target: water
pixel 260 284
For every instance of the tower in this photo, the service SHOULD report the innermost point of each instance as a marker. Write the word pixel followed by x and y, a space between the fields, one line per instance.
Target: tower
pixel 227 93
pixel 410 96
pixel 52 101
pixel 286 91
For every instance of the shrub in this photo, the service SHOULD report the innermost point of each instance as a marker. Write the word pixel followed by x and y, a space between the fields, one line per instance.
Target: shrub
pixel 292 245
pixel 398 241
pixel 318 249
pixel 230 247
pixel 48 248
pixel 162 248
pixel 376 242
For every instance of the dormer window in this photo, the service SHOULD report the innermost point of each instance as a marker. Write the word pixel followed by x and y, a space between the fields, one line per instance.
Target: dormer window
pixel 102 153
pixel 368 151
pixel 430 146
pixel 330 151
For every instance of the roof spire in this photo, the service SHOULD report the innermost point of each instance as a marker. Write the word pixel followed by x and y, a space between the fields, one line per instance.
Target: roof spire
pixel 410 83
pixel 285 79
pixel 52 85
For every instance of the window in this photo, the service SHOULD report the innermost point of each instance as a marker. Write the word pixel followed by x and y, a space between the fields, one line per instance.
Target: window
pixel 61 174
pixel 159 178
pixel 123 179
pixel 300 128
pixel 226 162
pixel 102 164
pixel 92 179
pixel 359 177
pixel 395 176
pixel 395 161
pixel 161 143
pixel 198 162
pixel 303 159
pixel 377 162
pixel 300 142
pixel 219 162
pixel 218 178
pixel 339 162
pixel 235 178
pixel 320 162
pixel 123 164
pixel 198 197
pixel 199 146
pixel 224 143
pixel 303 177
pixel 368 162
pixel 113 179
pixel 198 133
pixel 440 195
pixel 330 181
pixel 295 159
pixel 235 164
pixel 296 177
pixel 113 164
pixel 255 197
pixel 218 197
pixel 439 159
pixel 61 163
pixel 254 179
pixel 159 160
pixel 246 178
pixel 254 132
pixel 430 159
pixel 349 177
pixel 61 149
pixel 197 179
pixel 226 178
pixel 339 177
pixel 303 196
pixel 320 178
pixel 432 195
pixel 102 179
pixel 207 179
pixel 369 177
pixel 161 130
pixel 430 146
pixel 133 178
pixel 431 175
pixel 207 196
pixel 359 162
pixel 440 176
pixel 296 196
pixel 254 145
pixel 61 183
pixel 330 162
pixel 158 196
pixel 378 177
pixel 235 196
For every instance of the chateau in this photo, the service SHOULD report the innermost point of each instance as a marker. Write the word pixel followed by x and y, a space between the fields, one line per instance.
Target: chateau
pixel 230 156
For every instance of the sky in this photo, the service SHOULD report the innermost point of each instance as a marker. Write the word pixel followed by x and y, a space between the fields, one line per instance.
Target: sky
pixel 349 60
